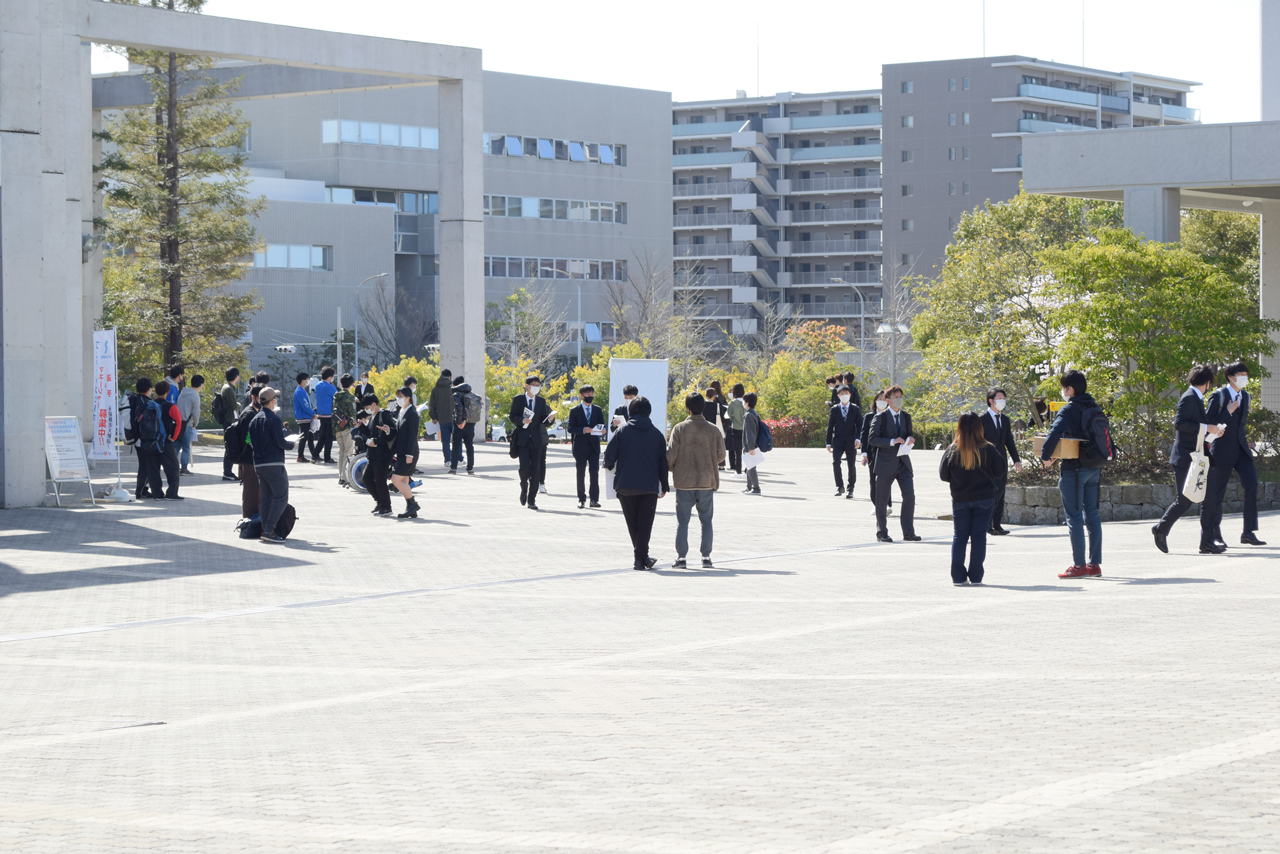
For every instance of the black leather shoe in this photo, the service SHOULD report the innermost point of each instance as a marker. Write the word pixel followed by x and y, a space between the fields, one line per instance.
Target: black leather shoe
pixel 1251 539
pixel 849 495
pixel 1211 549
pixel 595 505
pixel 839 492
pixel 998 531
pixel 531 505
pixel 1220 543
pixel 650 562
pixel 524 490
pixel 1162 542
pixel 884 538
pixel 582 505
pixel 912 538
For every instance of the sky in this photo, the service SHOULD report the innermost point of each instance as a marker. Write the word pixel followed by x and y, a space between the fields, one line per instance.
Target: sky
pixel 708 48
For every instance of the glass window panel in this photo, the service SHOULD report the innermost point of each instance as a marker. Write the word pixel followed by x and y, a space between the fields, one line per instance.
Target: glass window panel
pixel 593 269
pixel 620 212
pixel 530 146
pixel 577 211
pixel 562 265
pixel 299 257
pixel 390 134
pixel 486 267
pixel 593 152
pixel 343 195
pixel 577 152
pixel 364 197
pixel 529 207
pixel 620 155
pixel 515 206
pixel 497 144
pixel 606 211
pixel 546 208
pixel 430 137
pixel 329 131
pixel 409 136
pixel 409 202
pixel 369 133
pixel 514 148
pixel 531 268
pixel 260 259
pixel 498 205
pixel 562 208
pixel 387 197
pixel 576 267
pixel 431 203
pixel 486 206
pixel 562 150
pixel 606 154
pixel 547 149
pixel 546 268
pixel 317 258
pixel 606 270
pixel 593 211
pixel 620 270
pixel 277 255
pixel 349 131
pixel 499 267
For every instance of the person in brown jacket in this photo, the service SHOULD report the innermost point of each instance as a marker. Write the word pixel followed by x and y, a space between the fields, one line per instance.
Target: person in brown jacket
pixel 694 457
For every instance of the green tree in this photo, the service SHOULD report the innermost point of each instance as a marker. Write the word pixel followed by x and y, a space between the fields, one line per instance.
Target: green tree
pixel 1137 315
pixel 177 216
pixel 1227 240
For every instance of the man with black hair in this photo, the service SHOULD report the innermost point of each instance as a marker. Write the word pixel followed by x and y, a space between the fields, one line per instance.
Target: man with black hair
pixel 261 379
pixel 464 429
pixel 751 441
pixel 171 418
pixel 266 434
pixel 1190 425
pixel 174 379
pixel 226 413
pixel 637 456
pixel 850 379
pixel 344 416
pixel 890 430
pixel 325 391
pixel 303 414
pixel 1232 452
pixel 380 425
pixel 238 446
pixel 694 458
pixel 406 451
pixel 1077 481
pixel 440 408
pixel 622 413
pixel 586 426
pixel 736 413
pixel 530 414
pixel 189 407
pixel 844 423
pixel 148 484
pixel 999 433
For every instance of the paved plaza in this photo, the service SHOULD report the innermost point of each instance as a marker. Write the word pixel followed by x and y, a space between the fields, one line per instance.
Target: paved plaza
pixel 487 679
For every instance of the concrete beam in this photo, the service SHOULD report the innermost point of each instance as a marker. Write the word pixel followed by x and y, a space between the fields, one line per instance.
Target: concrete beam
pixel 1153 213
pixel 1269 295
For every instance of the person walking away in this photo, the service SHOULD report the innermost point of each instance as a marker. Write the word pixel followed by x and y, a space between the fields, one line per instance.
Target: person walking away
pixel 406 451
pixel 879 404
pixel 171 418
pixel 850 380
pixel 586 426
pixel 380 425
pixel 174 379
pixel 440 408
pixel 225 413
pixel 1189 425
pixel 344 418
pixel 146 433
pixel 325 393
pixel 974 468
pixel 844 424
pixel 1232 452
pixel 304 414
pixel 890 430
pixel 530 414
pixel 189 408
pixel 1077 482
pixel 468 409
pixel 751 442
pixel 694 458
pixel 637 456
pixel 736 413
pixel 999 432
pixel 238 446
pixel 266 435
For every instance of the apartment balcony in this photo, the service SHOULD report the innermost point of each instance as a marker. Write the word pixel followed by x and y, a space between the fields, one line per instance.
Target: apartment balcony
pixel 711 189
pixel 763 270
pixel 830 278
pixel 764 210
pixel 871 308
pixel 787 124
pixel 829 153
pixel 706 130
pixel 764 242
pixel 758 144
pixel 1180 114
pixel 833 215
pixel 715 220
pixel 841 184
pixel 725 310
pixel 690 280
pixel 710 250
pixel 702 161
pixel 1038 126
pixel 796 248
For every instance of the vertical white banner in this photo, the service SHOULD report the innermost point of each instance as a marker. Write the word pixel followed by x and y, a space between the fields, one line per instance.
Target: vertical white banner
pixel 105 413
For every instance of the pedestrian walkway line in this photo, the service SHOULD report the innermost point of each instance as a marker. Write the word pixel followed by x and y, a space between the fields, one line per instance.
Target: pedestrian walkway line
pixel 371 597
pixel 1032 803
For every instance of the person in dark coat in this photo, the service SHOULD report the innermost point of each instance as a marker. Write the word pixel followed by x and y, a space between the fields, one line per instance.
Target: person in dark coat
pixel 892 428
pixel 975 470
pixel 266 435
pixel 1078 480
pixel 844 423
pixel 1231 452
pixel 405 450
pixel 999 432
pixel 530 414
pixel 441 409
pixel 380 426
pixel 586 426
pixel 637 456
pixel 878 405
pixel 1189 424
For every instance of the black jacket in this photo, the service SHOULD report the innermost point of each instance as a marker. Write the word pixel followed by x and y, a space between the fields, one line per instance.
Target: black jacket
pixel 535 433
pixel 440 407
pixel 854 397
pixel 976 484
pixel 1233 444
pixel 585 447
pixel 1001 437
pixel 882 436
pixel 381 446
pixel 843 431
pixel 407 432
pixel 1190 419
pixel 1068 425
pixel 637 455
pixel 865 436
pixel 266 433
pixel 460 393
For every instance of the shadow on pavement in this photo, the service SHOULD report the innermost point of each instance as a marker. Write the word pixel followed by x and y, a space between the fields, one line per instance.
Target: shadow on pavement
pixel 1034 588
pixel 1124 580
pixel 716 573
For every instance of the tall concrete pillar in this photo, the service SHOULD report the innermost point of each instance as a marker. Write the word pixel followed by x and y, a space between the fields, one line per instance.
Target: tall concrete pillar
pixel 1270 67
pixel 1269 295
pixel 461 229
pixel 1153 212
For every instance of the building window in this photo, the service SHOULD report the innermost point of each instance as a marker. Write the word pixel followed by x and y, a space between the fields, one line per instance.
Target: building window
pixel 529 207
pixel 908 121
pixel 907 157
pixel 966 83
pixel 951 154
pixel 966 188
pixel 966 118
pixel 908 87
pixel 951 223
pixel 966 153
pixel 333 131
pixel 908 259
pixel 908 225
pixel 294 257
pixel 907 190
pixel 951 84
pixel 951 189
pixel 951 118
pixel 498 267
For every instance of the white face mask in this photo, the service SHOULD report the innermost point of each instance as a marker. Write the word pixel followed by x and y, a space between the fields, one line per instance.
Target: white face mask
pixel 881 405
pixel 1065 396
pixel 998 404
pixel 1241 380
pixel 896 403
pixel 844 398
pixel 534 389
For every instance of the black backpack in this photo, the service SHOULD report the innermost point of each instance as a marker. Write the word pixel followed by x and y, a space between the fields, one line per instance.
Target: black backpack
pixel 251 528
pixel 220 409
pixel 149 431
pixel 1098 448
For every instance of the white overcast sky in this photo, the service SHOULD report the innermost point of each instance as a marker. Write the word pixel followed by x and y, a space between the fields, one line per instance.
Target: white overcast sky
pixel 707 48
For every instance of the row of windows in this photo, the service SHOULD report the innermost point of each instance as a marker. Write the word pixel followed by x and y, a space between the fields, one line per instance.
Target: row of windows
pixel 605 153
pixel 295 257
pixel 910 121
pixel 909 87
pixel 500 267
pixel 572 210
pixel 415 203
pixel 333 131
pixel 910 190
pixel 909 155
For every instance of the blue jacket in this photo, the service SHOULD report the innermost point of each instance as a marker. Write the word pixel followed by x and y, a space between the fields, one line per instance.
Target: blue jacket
pixel 266 435
pixel 302 410
pixel 324 397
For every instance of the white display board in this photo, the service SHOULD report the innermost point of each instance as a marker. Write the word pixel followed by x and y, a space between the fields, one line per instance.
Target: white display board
pixel 649 376
pixel 105 400
pixel 64 452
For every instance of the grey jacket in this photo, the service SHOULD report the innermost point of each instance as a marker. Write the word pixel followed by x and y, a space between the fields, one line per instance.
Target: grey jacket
pixel 750 431
pixel 189 406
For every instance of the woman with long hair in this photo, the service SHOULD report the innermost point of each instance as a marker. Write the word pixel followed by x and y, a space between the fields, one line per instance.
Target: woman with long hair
pixel 973 467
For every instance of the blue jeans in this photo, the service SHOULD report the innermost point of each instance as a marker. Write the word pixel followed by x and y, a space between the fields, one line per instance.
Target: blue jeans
pixel 1079 489
pixel 971 519
pixel 446 441
pixel 184 445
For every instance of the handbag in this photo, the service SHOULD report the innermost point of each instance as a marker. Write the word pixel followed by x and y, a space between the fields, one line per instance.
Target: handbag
pixel 1196 483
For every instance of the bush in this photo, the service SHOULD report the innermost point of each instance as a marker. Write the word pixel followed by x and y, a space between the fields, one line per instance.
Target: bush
pixel 792 432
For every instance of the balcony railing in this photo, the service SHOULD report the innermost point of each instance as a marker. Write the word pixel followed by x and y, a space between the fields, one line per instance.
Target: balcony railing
pixel 710 250
pixel 706 129
pixel 714 281
pixel 724 309
pixel 840 184
pixel 828 277
pixel 714 188
pixel 712 158
pixel 852 120
pixel 836 152
pixel 836 309
pixel 834 247
pixel 837 215
pixel 1187 114
pixel 1039 126
pixel 711 220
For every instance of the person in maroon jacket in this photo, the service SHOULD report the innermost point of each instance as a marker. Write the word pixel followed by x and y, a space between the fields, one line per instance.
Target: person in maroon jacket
pixel 171 418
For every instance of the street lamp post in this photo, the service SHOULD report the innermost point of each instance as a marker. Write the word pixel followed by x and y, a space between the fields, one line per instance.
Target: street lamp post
pixel 862 320
pixel 893 328
pixel 578 284
pixel 358 287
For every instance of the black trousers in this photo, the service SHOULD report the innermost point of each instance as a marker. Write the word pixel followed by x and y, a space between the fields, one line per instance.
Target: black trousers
pixel 639 511
pixel 169 462
pixel 734 441
pixel 1181 503
pixel 1219 477
pixel 584 464
pixel 542 466
pixel 871 477
pixel 464 437
pixel 997 512
pixel 226 454
pixel 324 444
pixel 884 491
pixel 308 441
pixel 849 455
pixel 532 459
pixel 375 480
pixel 148 473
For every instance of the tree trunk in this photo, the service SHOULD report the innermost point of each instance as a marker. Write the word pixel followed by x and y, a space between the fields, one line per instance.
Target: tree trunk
pixel 169 247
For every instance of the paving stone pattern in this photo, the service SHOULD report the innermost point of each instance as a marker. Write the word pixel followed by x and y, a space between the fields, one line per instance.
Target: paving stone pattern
pixel 487 679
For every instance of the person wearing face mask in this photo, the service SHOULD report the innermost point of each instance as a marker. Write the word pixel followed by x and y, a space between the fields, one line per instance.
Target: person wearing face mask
pixel 1232 451
pixel 737 414
pixel 266 435
pixel 869 450
pixel 405 451
pixel 530 414
pixel 380 425
pixel 834 383
pixel 622 414
pixel 889 431
pixel 998 431
pixel 844 423
pixel 586 426
pixel 1077 480
pixel 1190 425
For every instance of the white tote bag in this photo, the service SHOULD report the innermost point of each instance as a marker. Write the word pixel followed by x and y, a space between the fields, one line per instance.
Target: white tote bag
pixel 1197 482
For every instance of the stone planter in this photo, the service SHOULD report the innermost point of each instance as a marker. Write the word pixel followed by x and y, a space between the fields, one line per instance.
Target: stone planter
pixel 1042 505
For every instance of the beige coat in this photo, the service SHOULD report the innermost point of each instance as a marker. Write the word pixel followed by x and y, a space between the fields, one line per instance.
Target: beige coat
pixel 696 449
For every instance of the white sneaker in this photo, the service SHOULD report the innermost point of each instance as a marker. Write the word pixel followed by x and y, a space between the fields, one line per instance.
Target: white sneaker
pixel 542 487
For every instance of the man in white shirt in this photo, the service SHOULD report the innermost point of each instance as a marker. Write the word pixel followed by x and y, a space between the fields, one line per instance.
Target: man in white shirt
pixel 1231 452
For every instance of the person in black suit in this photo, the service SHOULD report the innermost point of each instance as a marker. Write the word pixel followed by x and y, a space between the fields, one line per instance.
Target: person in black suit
pixel 850 379
pixel 530 414
pixel 379 425
pixel 999 432
pixel 584 422
pixel 844 423
pixel 622 414
pixel 892 428
pixel 1188 425
pixel 406 451
pixel 878 405
pixel 1231 452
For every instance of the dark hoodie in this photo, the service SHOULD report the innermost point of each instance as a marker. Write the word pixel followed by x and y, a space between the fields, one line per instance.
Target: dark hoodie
pixel 460 393
pixel 637 455
pixel 440 407
pixel 1068 425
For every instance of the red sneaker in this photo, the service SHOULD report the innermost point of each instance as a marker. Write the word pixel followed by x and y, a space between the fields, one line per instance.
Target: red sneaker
pixel 1093 570
pixel 1075 572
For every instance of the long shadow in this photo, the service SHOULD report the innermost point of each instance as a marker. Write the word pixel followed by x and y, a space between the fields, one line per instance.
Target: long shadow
pixel 1123 580
pixel 717 573
pixel 1034 588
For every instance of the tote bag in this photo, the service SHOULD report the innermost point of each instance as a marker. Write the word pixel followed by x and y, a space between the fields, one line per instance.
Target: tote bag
pixel 1197 482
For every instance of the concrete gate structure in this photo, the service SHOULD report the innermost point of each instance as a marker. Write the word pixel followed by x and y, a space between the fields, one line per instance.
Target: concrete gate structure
pixel 50 275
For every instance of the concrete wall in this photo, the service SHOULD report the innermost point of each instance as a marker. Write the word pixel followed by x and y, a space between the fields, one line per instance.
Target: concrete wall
pixel 1269 30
